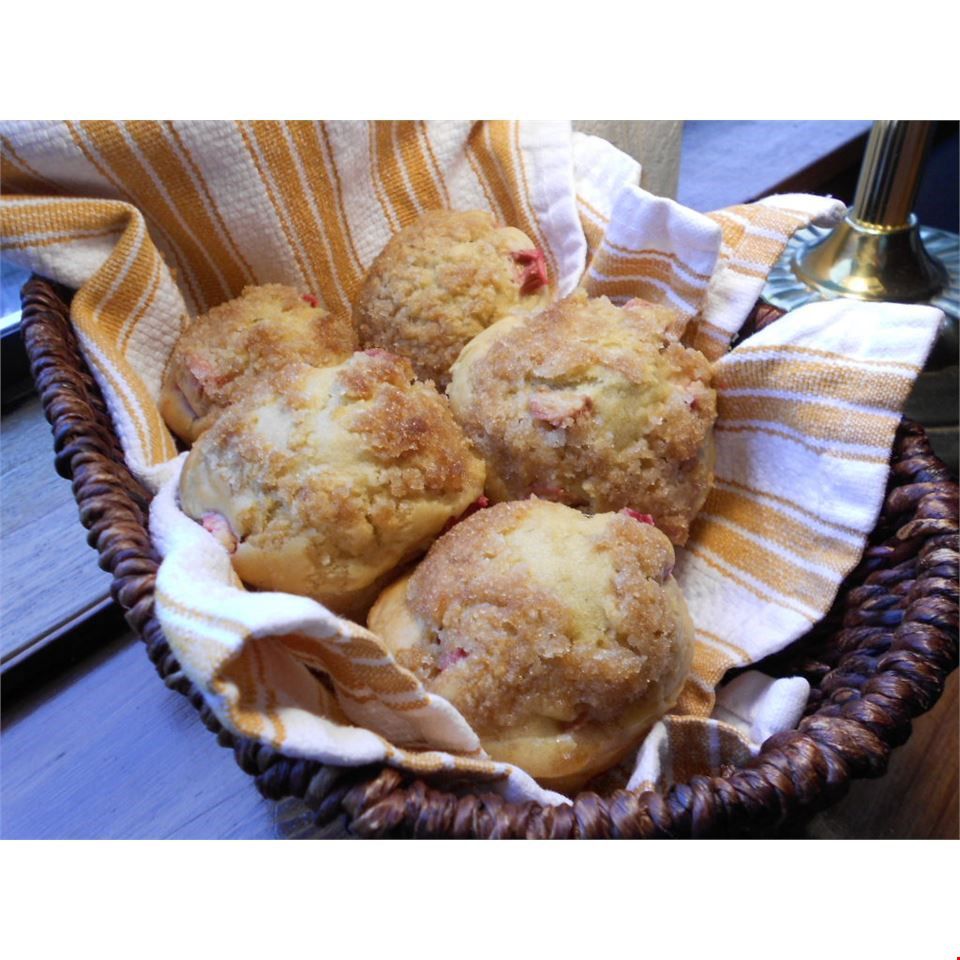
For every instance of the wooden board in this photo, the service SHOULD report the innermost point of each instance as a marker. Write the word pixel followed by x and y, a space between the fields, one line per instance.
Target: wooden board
pixel 49 572
pixel 106 751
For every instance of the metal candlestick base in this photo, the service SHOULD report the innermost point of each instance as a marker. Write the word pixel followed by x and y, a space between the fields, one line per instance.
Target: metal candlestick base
pixel 785 289
pixel 868 262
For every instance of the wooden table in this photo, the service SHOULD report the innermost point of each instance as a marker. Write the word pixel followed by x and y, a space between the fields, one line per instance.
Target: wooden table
pixel 107 751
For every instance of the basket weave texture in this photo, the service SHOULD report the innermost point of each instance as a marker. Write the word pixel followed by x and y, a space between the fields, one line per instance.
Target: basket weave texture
pixel 878 659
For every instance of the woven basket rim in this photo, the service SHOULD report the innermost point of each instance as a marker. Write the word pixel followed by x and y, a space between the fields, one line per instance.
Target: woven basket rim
pixel 877 660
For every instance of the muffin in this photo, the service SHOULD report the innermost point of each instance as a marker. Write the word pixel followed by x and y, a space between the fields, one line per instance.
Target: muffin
pixel 560 637
pixel 321 481
pixel 592 405
pixel 442 280
pixel 222 351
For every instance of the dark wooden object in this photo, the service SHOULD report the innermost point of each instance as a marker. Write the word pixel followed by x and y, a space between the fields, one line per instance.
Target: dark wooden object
pixel 878 660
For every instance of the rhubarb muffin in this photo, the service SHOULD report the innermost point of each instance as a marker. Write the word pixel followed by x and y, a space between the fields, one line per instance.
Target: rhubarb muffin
pixel 442 280
pixel 560 637
pixel 254 335
pixel 322 481
pixel 593 405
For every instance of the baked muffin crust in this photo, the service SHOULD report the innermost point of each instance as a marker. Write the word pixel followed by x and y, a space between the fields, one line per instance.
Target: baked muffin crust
pixel 253 335
pixel 560 637
pixel 327 479
pixel 592 405
pixel 442 280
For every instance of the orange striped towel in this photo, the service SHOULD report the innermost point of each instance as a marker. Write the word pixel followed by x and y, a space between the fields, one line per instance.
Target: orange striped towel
pixel 153 221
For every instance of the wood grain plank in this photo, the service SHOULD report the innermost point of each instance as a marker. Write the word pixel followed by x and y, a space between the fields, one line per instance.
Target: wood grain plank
pixel 49 572
pixel 106 751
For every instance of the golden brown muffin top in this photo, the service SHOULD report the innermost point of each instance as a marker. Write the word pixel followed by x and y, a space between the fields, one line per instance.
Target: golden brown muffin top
pixel 263 329
pixel 530 610
pixel 443 279
pixel 338 473
pixel 296 433
pixel 597 406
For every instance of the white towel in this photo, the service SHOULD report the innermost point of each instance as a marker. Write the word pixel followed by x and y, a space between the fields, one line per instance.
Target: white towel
pixel 152 221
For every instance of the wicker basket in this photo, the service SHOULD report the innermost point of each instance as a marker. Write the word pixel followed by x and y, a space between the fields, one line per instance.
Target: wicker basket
pixel 878 659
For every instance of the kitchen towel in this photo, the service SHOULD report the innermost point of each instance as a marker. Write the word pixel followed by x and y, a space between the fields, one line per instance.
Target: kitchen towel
pixel 154 222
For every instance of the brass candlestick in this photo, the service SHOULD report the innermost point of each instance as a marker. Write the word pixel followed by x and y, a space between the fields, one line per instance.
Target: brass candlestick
pixel 877 253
